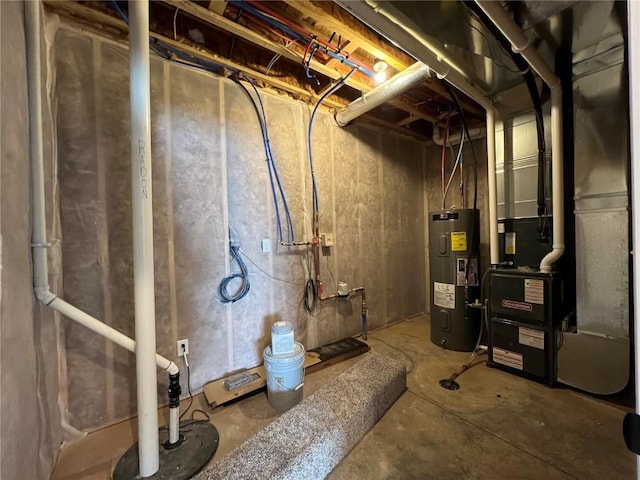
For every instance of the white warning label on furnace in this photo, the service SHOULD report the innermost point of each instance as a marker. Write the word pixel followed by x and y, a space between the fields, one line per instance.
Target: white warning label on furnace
pixel 508 358
pixel 531 337
pixel 534 291
pixel 444 295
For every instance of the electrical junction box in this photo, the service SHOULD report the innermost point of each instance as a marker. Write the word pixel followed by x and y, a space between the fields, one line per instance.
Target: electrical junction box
pixel 327 240
pixel 526 310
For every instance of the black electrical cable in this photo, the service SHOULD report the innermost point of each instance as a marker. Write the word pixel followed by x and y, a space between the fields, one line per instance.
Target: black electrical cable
pixel 233 37
pixel 530 81
pixel 243 275
pixel 310 296
pixel 190 394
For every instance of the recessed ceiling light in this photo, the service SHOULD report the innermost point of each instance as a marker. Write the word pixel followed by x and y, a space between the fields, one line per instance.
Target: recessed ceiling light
pixel 380 66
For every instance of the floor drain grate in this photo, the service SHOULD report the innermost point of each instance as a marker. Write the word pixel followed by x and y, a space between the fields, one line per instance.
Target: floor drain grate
pixel 449 384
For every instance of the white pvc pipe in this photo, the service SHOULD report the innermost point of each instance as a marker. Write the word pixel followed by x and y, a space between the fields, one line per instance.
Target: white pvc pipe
pixel 522 44
pixel 34 85
pixel 410 77
pixel 445 68
pixel 557 182
pixel 106 331
pixel 38 228
pixel 492 186
pixel 440 63
pixel 143 269
pixel 633 9
pixel 387 10
pixel 38 218
pixel 174 422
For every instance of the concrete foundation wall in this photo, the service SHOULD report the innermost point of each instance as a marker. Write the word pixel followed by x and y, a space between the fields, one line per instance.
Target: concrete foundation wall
pixel 209 174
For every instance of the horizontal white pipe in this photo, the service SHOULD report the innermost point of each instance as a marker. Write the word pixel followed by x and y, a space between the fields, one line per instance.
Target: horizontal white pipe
pixel 386 9
pixel 492 186
pixel 445 68
pixel 401 82
pixel 408 36
pixel 104 330
pixel 520 43
pixel 474 134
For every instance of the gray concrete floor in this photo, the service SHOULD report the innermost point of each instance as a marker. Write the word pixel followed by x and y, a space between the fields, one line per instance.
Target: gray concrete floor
pixel 497 426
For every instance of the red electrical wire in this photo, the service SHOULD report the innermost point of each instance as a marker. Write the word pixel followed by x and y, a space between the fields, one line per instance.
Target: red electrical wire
pixel 306 52
pixel 444 157
pixel 294 26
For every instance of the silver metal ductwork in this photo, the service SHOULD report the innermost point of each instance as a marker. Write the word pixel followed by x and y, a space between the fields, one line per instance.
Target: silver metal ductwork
pixel 396 85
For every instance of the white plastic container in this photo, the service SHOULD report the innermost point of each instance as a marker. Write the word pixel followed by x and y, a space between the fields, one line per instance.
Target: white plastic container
pixel 282 341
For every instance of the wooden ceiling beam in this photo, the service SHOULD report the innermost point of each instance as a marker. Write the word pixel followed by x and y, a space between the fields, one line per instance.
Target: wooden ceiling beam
pixel 97 19
pixel 218 6
pixel 406 121
pixel 346 25
pixel 93 17
pixel 258 39
pixel 411 110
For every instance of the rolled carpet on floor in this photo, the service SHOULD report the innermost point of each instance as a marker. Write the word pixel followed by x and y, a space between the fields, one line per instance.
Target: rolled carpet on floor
pixel 309 440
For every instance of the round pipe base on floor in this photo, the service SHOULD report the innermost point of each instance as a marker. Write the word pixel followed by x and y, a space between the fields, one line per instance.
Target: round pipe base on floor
pixel 200 443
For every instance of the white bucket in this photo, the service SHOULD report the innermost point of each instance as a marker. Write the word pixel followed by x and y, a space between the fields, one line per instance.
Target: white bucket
pixel 285 377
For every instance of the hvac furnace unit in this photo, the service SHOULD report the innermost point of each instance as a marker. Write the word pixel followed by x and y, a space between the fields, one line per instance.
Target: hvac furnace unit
pixel 453 266
pixel 526 310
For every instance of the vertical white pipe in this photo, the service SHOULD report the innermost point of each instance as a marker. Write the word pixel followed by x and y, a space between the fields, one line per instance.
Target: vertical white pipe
pixel 521 43
pixel 557 181
pixel 143 273
pixel 174 423
pixel 34 81
pixel 38 219
pixel 493 190
pixel 634 109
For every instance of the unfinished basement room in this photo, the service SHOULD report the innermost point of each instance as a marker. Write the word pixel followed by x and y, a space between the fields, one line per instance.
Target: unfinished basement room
pixel 297 240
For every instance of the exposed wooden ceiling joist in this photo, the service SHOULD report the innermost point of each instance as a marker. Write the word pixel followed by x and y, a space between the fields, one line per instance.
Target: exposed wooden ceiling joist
pixel 333 17
pixel 259 40
pixel 95 18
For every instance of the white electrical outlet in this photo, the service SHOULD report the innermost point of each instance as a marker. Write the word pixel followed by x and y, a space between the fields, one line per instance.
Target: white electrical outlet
pixel 266 245
pixel 183 347
pixel 327 239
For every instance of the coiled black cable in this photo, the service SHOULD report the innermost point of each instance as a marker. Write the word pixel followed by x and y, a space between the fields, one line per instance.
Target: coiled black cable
pixel 243 274
pixel 310 296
